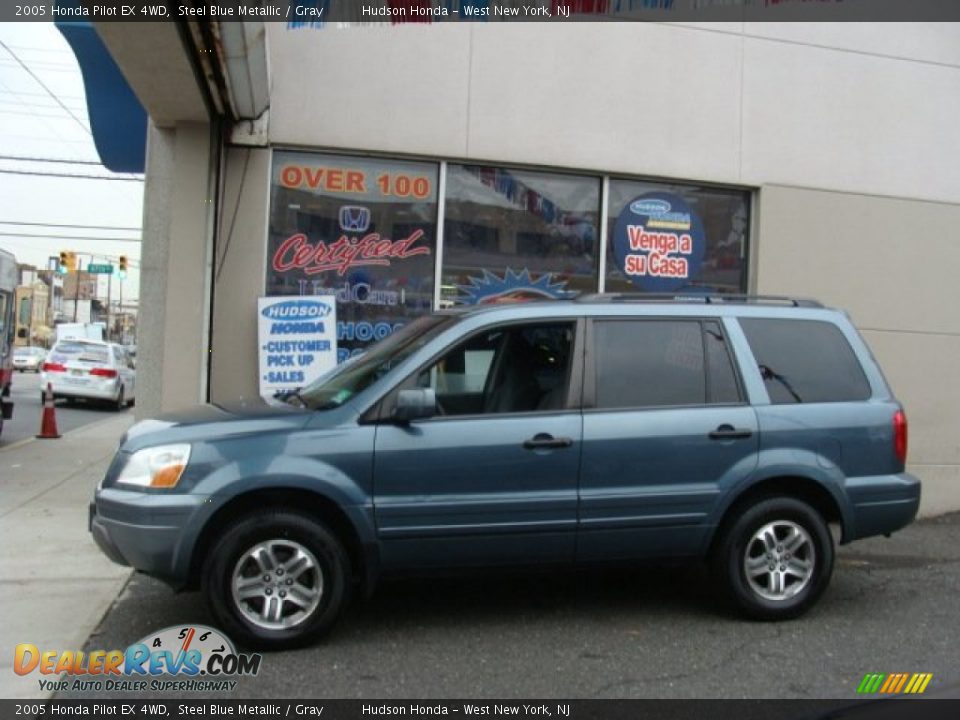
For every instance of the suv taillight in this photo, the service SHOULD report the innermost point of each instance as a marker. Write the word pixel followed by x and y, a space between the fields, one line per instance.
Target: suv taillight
pixel 900 435
pixel 53 367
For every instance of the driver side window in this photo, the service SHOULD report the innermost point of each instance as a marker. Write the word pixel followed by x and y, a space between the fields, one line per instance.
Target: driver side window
pixel 519 368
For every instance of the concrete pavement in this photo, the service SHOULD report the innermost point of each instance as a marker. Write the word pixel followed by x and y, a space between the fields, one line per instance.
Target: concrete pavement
pixel 55 584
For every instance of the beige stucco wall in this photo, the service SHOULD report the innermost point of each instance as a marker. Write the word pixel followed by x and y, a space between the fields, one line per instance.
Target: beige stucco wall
pixel 892 264
pixel 855 107
pixel 171 356
pixel 240 275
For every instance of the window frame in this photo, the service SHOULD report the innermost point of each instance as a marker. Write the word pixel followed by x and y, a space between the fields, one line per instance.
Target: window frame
pixel 382 409
pixel 590 364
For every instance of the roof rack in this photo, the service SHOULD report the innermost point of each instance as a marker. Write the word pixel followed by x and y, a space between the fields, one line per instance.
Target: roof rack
pixel 707 299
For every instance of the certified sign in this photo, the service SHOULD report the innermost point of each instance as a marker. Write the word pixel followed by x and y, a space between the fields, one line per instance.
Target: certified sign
pixel 298 341
pixel 659 242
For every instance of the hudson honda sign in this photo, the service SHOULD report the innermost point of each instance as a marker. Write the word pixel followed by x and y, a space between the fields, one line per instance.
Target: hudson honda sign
pixel 659 242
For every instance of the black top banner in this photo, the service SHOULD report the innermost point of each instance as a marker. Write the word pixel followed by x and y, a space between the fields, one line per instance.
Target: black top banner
pixel 340 13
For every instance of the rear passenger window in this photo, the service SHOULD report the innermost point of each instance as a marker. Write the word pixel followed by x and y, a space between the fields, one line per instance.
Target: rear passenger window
pixel 649 363
pixel 805 361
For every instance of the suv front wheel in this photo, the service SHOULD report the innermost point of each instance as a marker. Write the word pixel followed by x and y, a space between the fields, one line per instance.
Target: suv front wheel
pixel 276 580
pixel 775 559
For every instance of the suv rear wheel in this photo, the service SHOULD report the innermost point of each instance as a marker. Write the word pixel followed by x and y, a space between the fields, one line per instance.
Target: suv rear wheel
pixel 775 559
pixel 276 580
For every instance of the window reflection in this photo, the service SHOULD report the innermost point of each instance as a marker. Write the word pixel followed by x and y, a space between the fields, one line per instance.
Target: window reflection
pixel 513 235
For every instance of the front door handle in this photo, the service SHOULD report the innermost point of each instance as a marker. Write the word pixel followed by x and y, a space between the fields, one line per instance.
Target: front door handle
pixel 546 441
pixel 729 432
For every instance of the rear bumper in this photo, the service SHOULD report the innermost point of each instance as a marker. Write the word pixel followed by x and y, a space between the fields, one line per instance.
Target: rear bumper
pixel 106 389
pixel 882 504
pixel 150 532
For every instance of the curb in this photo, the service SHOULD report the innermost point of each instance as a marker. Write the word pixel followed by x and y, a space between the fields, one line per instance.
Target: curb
pixel 88 426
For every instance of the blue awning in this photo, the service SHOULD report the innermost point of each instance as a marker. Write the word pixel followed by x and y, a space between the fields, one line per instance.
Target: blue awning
pixel 117 119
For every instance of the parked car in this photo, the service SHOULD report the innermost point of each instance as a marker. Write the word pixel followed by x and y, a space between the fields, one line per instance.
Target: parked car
pixel 78 368
pixel 28 358
pixel 611 428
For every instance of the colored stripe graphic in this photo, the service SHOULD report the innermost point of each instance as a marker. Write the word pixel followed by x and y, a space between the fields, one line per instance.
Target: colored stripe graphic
pixel 894 683
pixel 889 682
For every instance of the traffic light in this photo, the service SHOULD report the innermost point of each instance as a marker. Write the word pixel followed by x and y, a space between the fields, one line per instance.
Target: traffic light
pixel 68 262
pixel 123 267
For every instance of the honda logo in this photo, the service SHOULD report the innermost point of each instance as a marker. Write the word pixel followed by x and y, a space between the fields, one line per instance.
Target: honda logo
pixel 354 218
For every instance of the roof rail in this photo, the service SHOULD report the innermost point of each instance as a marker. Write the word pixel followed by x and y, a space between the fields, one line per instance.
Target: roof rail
pixel 707 299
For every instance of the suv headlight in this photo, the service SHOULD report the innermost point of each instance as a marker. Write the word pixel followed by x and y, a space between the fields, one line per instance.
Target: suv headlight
pixel 158 467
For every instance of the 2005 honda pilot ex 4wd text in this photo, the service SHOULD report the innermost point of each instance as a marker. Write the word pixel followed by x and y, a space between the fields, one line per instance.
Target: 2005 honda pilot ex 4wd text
pixel 609 428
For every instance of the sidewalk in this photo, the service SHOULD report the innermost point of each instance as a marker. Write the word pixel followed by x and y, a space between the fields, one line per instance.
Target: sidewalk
pixel 55 584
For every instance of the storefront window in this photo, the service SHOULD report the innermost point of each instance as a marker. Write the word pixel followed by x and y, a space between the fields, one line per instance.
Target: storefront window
pixel 670 238
pixel 512 235
pixel 361 229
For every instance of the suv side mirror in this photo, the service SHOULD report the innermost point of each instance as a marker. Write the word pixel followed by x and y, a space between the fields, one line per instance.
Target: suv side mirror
pixel 417 404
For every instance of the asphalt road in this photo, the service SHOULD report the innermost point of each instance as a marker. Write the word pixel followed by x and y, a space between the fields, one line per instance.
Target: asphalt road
pixel 25 393
pixel 891 607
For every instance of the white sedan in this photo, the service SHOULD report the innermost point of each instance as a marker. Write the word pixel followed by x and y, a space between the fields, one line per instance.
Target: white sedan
pixel 90 370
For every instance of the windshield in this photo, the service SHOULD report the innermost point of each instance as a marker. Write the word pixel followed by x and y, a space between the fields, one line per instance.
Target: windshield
pixel 360 372
pixel 81 352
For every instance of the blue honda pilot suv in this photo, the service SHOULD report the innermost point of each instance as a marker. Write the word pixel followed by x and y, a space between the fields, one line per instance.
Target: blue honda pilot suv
pixel 609 428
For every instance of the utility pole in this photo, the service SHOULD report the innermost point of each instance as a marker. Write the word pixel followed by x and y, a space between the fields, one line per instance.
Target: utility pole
pixel 109 326
pixel 123 321
pixel 76 295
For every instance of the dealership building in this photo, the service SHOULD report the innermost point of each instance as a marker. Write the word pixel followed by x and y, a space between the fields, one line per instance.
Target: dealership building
pixel 407 167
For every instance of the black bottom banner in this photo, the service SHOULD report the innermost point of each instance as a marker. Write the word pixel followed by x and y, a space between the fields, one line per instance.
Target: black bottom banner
pixel 865 709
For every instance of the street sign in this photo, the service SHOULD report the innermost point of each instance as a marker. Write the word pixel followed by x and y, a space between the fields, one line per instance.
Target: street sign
pixel 100 269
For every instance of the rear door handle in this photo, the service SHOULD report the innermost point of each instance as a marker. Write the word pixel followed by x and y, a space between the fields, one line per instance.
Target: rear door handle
pixel 729 432
pixel 546 441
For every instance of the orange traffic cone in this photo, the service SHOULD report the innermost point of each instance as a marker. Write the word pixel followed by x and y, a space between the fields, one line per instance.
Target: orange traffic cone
pixel 48 425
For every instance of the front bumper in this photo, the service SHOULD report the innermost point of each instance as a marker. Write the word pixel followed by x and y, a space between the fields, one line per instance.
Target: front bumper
pixel 883 504
pixel 151 532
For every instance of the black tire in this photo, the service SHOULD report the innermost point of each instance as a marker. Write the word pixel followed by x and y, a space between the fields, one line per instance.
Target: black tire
pixel 281 526
pixel 738 542
pixel 121 401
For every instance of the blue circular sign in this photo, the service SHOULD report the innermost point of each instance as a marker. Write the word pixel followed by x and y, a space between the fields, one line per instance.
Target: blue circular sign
pixel 659 242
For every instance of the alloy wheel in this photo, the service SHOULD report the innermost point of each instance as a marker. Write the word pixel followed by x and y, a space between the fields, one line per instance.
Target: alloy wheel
pixel 779 560
pixel 277 584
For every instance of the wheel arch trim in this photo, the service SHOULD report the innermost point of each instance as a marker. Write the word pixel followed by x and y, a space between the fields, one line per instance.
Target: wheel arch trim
pixel 812 485
pixel 352 523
